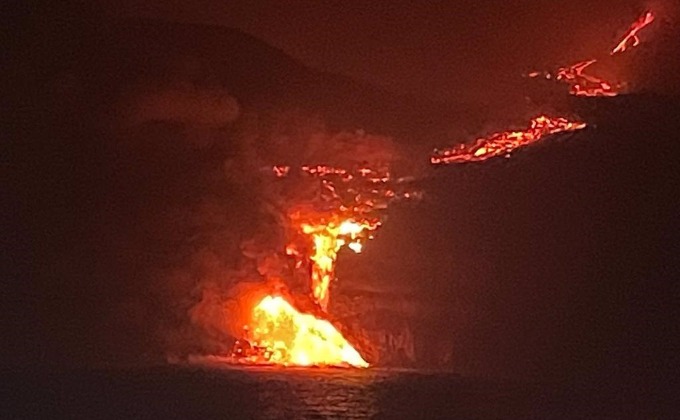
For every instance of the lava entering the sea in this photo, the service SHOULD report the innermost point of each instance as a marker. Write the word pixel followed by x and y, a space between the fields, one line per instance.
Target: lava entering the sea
pixel 345 206
pixel 345 211
pixel 280 334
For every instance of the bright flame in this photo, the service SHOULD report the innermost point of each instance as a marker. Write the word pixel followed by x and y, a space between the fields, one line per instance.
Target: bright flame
pixel 281 334
pixel 505 142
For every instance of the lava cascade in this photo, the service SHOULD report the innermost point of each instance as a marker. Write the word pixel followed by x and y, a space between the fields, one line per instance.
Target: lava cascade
pixel 347 211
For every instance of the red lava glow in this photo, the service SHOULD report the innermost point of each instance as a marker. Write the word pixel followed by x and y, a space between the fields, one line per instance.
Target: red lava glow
pixel 505 142
pixel 347 210
pixel 282 335
pixel 631 34
pixel 584 84
pixel 352 202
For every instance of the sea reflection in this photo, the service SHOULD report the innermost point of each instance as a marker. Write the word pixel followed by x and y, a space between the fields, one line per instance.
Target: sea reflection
pixel 315 393
pixel 203 392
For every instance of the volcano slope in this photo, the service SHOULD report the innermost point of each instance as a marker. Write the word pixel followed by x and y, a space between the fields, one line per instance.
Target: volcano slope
pixel 566 250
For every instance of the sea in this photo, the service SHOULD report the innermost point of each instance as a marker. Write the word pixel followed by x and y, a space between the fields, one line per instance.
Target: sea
pixel 207 391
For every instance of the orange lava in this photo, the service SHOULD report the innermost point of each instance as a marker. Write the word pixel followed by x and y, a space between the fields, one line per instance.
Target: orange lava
pixel 280 334
pixel 345 212
pixel 352 204
pixel 505 142
pixel 328 238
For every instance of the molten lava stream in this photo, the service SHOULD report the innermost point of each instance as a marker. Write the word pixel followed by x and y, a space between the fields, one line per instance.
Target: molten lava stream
pixel 345 214
pixel 282 335
pixel 505 142
pixel 327 239
pixel 631 34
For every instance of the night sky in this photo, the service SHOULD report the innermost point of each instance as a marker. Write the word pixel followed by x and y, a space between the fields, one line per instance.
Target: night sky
pixel 560 262
pixel 440 49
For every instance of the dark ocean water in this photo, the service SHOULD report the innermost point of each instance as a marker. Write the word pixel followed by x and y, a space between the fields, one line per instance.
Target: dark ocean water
pixel 217 392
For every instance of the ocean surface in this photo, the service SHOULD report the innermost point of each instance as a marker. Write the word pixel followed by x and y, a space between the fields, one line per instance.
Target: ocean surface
pixel 213 391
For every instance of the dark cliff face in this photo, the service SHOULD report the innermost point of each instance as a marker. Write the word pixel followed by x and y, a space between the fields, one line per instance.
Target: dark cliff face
pixel 131 144
pixel 562 255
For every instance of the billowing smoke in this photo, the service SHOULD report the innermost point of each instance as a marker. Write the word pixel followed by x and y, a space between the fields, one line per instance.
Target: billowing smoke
pixel 160 213
pixel 229 286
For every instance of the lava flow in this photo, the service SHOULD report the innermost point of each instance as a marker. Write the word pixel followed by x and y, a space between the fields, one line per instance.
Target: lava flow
pixel 345 213
pixel 505 142
pixel 334 207
pixel 584 84
pixel 350 211
pixel 328 237
pixel 580 84
pixel 631 34
pixel 280 334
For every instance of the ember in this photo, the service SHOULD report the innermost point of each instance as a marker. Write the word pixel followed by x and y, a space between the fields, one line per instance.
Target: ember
pixel 505 142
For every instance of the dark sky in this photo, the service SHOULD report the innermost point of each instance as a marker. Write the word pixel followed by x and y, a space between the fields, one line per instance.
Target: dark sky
pixel 427 48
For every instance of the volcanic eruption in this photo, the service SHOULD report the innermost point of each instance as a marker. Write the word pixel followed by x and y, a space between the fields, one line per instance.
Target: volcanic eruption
pixel 338 202
pixel 324 209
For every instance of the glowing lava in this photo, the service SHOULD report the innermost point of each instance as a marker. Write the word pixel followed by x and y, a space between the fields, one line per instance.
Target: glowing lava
pixel 328 238
pixel 344 211
pixel 351 202
pixel 584 84
pixel 280 334
pixel 631 34
pixel 505 142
